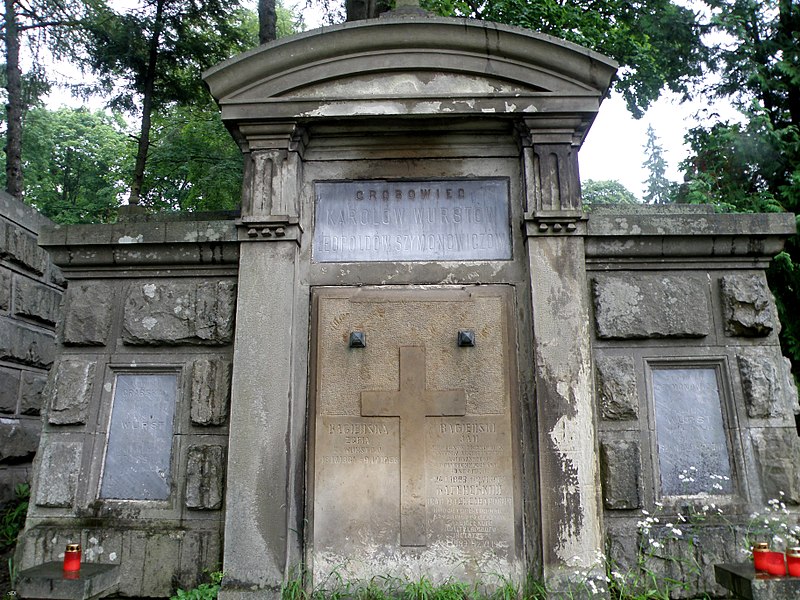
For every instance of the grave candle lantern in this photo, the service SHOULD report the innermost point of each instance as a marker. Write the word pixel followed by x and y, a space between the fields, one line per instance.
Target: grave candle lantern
pixel 72 558
pixel 776 565
pixel 793 561
pixel 760 551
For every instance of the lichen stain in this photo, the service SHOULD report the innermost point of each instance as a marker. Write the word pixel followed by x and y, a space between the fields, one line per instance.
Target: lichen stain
pixel 126 239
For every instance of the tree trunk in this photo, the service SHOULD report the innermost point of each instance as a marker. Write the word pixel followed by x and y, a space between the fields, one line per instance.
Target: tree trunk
pixel 14 106
pixel 147 105
pixel 267 21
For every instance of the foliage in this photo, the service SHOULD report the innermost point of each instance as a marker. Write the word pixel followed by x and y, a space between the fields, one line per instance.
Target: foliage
pixel 657 42
pixel 337 587
pixel 204 591
pixel 75 161
pixel 606 192
pixel 189 36
pixel 12 519
pixel 50 24
pixel 194 164
pixel 661 546
pixel 754 166
pixel 659 189
pixel 775 525
pixel 158 50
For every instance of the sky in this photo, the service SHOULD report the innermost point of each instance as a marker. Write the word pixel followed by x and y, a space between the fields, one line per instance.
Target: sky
pixel 614 146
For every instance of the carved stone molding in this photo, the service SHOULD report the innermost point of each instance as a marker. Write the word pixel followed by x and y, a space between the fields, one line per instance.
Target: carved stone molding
pixel 273 170
pixel 550 167
pixel 538 224
pixel 271 229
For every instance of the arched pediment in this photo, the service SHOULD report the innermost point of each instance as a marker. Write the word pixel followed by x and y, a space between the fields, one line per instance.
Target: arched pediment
pixel 423 65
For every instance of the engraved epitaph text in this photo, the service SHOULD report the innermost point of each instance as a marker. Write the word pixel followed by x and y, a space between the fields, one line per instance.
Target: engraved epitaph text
pixel 692 445
pixel 412 403
pixel 139 450
pixel 413 463
pixel 376 220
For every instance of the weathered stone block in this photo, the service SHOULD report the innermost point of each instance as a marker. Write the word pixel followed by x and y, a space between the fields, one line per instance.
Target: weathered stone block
pixel 760 379
pixel 201 552
pixel 161 554
pixel 19 343
pixel 211 390
pixel 616 387
pixel 58 474
pixel 184 312
pixel 9 390
pixel 20 246
pixel 634 306
pixel 36 300
pixel 777 451
pixel 791 386
pixel 747 305
pixel 71 391
pixel 19 439
pixel 620 469
pixel 5 288
pixel 88 314
pixel 205 473
pixel 10 477
pixel 30 400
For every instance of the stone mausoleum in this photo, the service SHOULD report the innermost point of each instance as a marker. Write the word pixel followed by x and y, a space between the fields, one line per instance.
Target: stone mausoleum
pixel 414 352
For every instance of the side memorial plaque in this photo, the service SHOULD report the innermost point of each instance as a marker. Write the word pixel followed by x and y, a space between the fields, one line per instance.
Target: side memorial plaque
pixel 444 220
pixel 692 445
pixel 138 457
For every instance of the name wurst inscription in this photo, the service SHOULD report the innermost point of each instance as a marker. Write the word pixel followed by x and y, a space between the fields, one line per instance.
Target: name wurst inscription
pixel 376 220
pixel 692 444
pixel 139 450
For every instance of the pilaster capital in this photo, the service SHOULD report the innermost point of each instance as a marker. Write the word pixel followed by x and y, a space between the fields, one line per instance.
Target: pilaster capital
pixel 280 135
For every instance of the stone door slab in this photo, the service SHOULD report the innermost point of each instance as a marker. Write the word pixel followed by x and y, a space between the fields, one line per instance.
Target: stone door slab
pixel 411 466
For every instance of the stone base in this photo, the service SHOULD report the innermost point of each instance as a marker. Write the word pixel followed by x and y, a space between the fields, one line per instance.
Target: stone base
pixel 48 581
pixel 744 582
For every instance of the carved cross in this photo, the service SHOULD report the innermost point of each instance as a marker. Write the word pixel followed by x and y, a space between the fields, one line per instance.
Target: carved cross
pixel 412 403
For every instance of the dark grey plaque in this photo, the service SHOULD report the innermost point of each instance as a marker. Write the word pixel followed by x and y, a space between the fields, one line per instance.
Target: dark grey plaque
pixel 139 451
pixel 692 444
pixel 375 220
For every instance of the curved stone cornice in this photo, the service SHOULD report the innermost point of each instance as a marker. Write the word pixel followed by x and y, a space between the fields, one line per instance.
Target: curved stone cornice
pixel 411 66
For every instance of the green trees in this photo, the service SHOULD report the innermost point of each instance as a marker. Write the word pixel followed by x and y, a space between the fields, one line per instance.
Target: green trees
pixel 755 165
pixel 657 42
pixel 193 164
pixel 73 170
pixel 158 50
pixel 606 192
pixel 658 187
pixel 50 23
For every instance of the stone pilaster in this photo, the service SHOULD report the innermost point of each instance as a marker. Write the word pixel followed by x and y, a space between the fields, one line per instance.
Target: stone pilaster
pixel 554 223
pixel 263 538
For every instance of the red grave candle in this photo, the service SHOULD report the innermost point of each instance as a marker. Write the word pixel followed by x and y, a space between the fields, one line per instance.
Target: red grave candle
pixel 760 551
pixel 72 558
pixel 776 565
pixel 793 561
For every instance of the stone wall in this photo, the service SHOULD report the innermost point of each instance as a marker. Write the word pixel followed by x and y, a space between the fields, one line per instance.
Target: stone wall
pixel 671 302
pixel 30 297
pixel 149 306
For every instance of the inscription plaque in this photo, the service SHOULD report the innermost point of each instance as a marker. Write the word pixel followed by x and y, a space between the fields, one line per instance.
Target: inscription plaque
pixel 375 220
pixel 692 444
pixel 139 447
pixel 413 467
